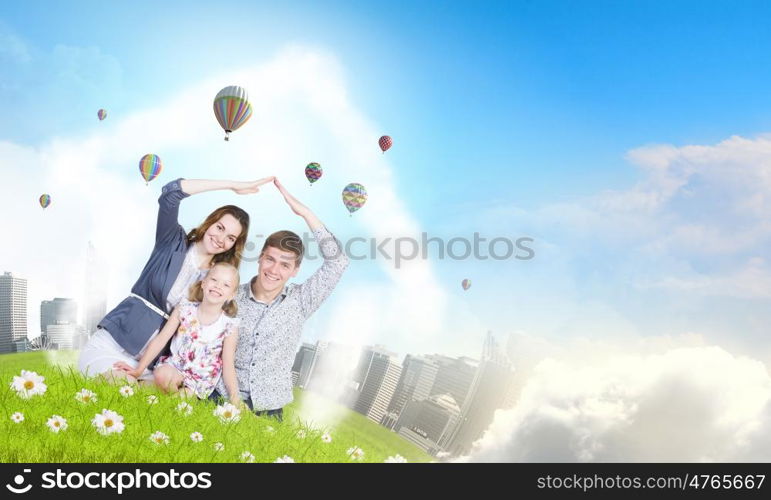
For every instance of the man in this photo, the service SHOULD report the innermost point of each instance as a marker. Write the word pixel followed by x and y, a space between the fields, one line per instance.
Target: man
pixel 272 313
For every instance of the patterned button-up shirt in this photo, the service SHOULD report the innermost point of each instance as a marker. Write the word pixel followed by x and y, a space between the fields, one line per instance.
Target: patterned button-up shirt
pixel 270 333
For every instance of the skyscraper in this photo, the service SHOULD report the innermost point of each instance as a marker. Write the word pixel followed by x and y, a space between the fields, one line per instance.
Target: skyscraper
pixel 429 423
pixel 330 371
pixel 303 364
pixel 488 393
pixel 454 376
pixel 62 336
pixel 95 290
pixel 59 321
pixel 60 311
pixel 417 379
pixel 13 311
pixel 378 373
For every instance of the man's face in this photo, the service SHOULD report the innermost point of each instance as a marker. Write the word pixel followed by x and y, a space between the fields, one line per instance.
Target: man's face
pixel 275 268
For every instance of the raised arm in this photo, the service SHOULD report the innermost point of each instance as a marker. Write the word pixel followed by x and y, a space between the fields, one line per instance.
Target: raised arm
pixel 298 208
pixel 195 186
pixel 321 283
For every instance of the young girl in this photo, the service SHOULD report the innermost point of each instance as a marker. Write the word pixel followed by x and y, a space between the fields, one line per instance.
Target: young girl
pixel 206 336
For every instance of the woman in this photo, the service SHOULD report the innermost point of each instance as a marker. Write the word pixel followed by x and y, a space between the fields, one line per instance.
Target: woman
pixel 177 261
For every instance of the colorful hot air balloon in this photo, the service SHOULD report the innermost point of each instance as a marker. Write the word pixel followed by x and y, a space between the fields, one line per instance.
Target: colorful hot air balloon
pixel 102 114
pixel 313 172
pixel 150 166
pixel 232 108
pixel 45 200
pixel 385 143
pixel 466 284
pixel 354 197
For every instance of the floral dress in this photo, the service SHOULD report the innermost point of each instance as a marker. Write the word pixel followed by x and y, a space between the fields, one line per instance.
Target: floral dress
pixel 196 349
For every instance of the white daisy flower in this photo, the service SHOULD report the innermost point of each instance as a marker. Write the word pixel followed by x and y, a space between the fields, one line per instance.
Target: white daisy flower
pixel 227 413
pixel 269 429
pixel 108 422
pixel 85 396
pixel 126 391
pixel 398 459
pixel 185 408
pixel 196 437
pixel 301 434
pixel 57 423
pixel 247 457
pixel 152 399
pixel 158 437
pixel 219 446
pixel 326 438
pixel 286 459
pixel 28 384
pixel 355 453
pixel 17 417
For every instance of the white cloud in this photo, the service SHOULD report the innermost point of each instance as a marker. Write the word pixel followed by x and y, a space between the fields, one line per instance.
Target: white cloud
pixel 697 403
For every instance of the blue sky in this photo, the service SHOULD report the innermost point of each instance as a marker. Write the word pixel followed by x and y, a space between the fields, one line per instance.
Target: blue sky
pixel 466 88
pixel 525 105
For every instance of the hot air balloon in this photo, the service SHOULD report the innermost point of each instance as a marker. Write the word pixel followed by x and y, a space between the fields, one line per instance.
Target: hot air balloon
pixel 385 143
pixel 232 108
pixel 354 197
pixel 150 166
pixel 102 114
pixel 313 172
pixel 466 284
pixel 45 200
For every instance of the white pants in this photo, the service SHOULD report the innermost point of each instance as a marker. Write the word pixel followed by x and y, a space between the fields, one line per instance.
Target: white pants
pixel 101 352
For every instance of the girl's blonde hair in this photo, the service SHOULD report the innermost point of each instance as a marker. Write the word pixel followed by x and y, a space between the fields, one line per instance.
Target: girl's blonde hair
pixel 196 291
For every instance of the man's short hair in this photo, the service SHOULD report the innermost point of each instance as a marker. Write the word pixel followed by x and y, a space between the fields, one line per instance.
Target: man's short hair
pixel 286 241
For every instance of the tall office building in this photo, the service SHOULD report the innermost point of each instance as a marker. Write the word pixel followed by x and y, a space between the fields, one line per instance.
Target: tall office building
pixel 454 376
pixel 488 393
pixel 303 364
pixel 330 372
pixel 429 423
pixel 13 311
pixel 417 379
pixel 377 373
pixel 59 321
pixel 62 335
pixel 95 307
pixel 59 311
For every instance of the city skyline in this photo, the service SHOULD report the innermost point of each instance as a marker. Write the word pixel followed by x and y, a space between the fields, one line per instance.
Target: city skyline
pixel 442 405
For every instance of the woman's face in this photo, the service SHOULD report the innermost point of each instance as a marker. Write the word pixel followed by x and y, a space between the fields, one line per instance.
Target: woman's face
pixel 222 235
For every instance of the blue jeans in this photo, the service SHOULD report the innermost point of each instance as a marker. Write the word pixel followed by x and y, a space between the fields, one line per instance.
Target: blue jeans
pixel 277 414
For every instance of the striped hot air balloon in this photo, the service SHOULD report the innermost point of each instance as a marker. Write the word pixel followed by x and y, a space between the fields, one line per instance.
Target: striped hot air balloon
pixel 45 200
pixel 150 166
pixel 232 108
pixel 466 284
pixel 354 197
pixel 313 172
pixel 385 143
pixel 102 114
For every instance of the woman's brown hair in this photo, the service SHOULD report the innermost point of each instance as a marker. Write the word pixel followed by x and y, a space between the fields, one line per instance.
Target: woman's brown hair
pixel 196 292
pixel 232 256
